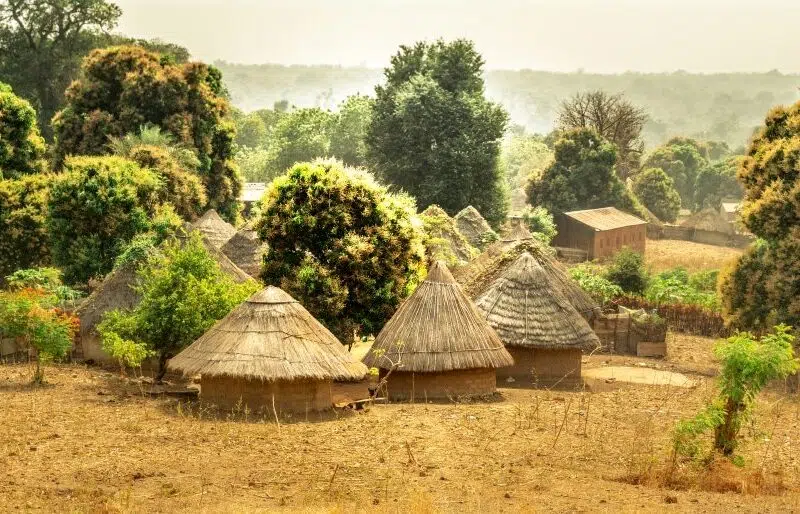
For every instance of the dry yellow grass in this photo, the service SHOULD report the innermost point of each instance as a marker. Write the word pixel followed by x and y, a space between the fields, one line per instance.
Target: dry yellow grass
pixel 668 253
pixel 91 443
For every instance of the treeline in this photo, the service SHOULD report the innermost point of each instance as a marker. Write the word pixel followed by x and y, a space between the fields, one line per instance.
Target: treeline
pixel 724 107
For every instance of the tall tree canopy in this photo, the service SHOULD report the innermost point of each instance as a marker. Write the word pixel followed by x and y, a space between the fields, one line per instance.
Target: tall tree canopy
pixel 717 182
pixel 763 288
pixel 657 192
pixel 434 134
pixel 21 146
pixel 341 244
pixel 299 136
pixel 582 176
pixel 124 88
pixel 349 130
pixel 42 43
pixel 681 159
pixel 611 116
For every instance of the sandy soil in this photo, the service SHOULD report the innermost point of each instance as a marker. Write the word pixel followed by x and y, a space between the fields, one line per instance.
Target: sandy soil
pixel 89 442
pixel 664 254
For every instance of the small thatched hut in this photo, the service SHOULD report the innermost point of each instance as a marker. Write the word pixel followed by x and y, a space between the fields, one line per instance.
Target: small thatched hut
pixel 540 328
pixel 438 345
pixel 269 351
pixel 246 250
pixel 474 227
pixel 443 241
pixel 214 228
pixel 710 226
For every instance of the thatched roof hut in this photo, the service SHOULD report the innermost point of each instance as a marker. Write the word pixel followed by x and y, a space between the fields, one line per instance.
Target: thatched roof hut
pixel 540 328
pixel 491 264
pixel 226 265
pixel 439 343
pixel 214 228
pixel 246 250
pixel 474 227
pixel 710 220
pixel 443 241
pixel 268 349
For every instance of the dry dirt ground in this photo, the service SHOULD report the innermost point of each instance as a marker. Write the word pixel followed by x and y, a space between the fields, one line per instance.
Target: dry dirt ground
pixel 89 442
pixel 663 254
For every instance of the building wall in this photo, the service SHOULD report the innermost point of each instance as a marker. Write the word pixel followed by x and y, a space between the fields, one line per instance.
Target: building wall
pixel 608 242
pixel 290 396
pixel 404 386
pixel 542 366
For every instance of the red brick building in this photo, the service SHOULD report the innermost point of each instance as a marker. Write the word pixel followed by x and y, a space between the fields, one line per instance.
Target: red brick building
pixel 601 232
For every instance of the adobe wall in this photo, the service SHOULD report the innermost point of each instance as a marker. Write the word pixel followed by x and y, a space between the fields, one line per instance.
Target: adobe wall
pixel 542 366
pixel 403 386
pixel 608 242
pixel 296 396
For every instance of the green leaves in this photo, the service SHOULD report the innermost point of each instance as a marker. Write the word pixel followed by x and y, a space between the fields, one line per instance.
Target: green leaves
pixel 22 149
pixel 657 192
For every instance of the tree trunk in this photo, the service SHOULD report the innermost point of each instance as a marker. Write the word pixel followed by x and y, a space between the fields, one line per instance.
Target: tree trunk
pixel 162 366
pixel 725 435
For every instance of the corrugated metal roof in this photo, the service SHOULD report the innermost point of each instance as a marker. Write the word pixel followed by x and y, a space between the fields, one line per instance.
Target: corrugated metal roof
pixel 607 218
pixel 252 191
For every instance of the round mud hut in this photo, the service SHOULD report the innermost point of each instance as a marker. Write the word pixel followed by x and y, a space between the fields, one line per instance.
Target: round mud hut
pixel 437 345
pixel 268 353
pixel 542 331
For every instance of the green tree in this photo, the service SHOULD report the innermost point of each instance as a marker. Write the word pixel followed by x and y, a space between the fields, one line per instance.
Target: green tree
pixel 434 134
pixel 95 208
pixel 628 272
pixel 614 118
pixel 124 88
pixel 42 43
pixel 341 244
pixel 21 147
pixel 251 131
pixel 581 176
pixel 299 136
pixel 717 182
pixel 23 228
pixel 681 160
pixel 541 224
pixel 184 292
pixel 349 130
pixel 763 287
pixel 656 190
pixel 525 155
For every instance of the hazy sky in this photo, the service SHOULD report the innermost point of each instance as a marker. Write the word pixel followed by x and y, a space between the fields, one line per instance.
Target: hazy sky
pixel 559 35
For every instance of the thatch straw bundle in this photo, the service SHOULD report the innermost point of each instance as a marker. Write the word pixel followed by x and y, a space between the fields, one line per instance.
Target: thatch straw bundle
pixel 437 329
pixel 491 264
pixel 526 310
pixel 269 337
pixel 246 250
pixel 474 227
pixel 711 220
pixel 214 228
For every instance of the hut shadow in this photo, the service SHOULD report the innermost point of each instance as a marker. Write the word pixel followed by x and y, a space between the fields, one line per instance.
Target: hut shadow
pixel 496 397
pixel 197 410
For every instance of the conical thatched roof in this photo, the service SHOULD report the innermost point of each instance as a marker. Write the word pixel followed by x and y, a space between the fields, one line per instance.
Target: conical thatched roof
pixel 525 310
pixel 246 250
pixel 491 264
pixel 443 240
pixel 226 265
pixel 269 337
pixel 115 292
pixel 474 228
pixel 437 329
pixel 214 228
pixel 516 232
pixel 711 220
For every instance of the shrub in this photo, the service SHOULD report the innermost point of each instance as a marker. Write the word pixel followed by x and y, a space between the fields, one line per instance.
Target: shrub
pixel 341 244
pixel 591 280
pixel 21 147
pixel 628 272
pixel 676 287
pixel 23 229
pixel 541 224
pixel 95 209
pixel 47 280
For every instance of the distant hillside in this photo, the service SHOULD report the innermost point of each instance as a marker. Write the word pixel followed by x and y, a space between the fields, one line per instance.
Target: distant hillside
pixel 719 106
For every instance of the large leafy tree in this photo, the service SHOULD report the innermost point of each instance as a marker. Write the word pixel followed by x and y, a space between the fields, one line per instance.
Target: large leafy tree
pixel 656 190
pixel 124 88
pixel 434 134
pixel 581 176
pixel 614 118
pixel 349 130
pixel 341 244
pixel 716 182
pixel 21 146
pixel 42 43
pixel 681 159
pixel 23 230
pixel 299 136
pixel 763 287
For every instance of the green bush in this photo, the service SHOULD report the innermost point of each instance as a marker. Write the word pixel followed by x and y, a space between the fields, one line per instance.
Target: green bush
pixel 628 272
pixel 591 279
pixel 657 192
pixel 677 286
pixel 541 224
pixel 23 228
pixel 21 147
pixel 47 280
pixel 95 209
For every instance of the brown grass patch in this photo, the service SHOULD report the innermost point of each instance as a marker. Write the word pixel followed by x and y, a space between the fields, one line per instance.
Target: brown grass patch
pixel 663 254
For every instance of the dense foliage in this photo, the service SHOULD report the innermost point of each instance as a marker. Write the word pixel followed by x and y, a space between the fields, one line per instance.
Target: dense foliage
pixel 592 280
pixel 657 192
pixel 628 272
pixel 763 287
pixel 434 134
pixel 677 286
pixel 717 182
pixel 582 176
pixel 95 208
pixel 21 146
pixel 124 88
pixel 299 136
pixel 23 228
pixel 340 244
pixel 748 364
pixel 540 223
pixel 348 130
pixel 681 160
pixel 184 292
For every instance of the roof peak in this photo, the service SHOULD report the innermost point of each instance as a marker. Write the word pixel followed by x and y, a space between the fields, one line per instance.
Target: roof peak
pixel 439 274
pixel 271 295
